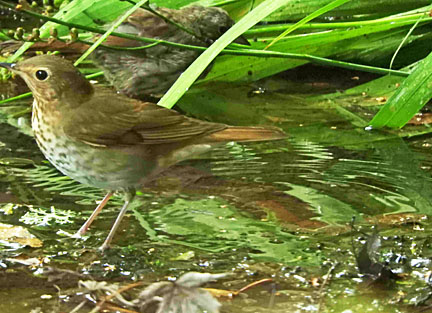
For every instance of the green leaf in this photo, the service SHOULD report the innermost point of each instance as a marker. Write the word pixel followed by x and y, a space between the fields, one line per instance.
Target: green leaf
pixel 83 12
pixel 236 8
pixel 109 31
pixel 409 98
pixel 322 44
pixel 173 4
pixel 193 72
pixel 297 9
pixel 308 18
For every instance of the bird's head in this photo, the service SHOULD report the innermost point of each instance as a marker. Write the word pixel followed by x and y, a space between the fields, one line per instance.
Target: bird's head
pixel 213 22
pixel 50 77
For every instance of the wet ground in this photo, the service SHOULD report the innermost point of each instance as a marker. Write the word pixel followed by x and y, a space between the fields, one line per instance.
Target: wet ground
pixel 281 211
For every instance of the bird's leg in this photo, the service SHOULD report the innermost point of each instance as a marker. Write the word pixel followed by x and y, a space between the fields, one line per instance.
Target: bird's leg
pixel 128 199
pixel 95 213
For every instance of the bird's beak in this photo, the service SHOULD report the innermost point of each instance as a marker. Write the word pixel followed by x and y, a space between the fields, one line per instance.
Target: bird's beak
pixel 9 66
pixel 242 40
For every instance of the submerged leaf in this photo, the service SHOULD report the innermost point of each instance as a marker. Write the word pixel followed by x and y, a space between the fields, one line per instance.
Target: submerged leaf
pixel 18 234
pixel 41 217
pixel 182 296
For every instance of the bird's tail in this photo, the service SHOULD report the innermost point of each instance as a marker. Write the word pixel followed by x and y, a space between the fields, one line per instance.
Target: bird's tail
pixel 247 133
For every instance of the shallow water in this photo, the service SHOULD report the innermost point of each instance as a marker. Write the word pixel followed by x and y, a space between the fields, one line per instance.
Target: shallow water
pixel 277 210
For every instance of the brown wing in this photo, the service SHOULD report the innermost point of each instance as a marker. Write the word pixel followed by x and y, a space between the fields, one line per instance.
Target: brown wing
pixel 110 119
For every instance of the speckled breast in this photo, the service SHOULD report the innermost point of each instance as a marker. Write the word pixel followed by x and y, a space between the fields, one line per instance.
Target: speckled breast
pixel 113 168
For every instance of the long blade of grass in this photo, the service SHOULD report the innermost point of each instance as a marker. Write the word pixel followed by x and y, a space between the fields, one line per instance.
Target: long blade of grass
pixel 76 10
pixel 296 10
pixel 198 66
pixel 88 27
pixel 408 35
pixel 300 9
pixel 318 44
pixel 321 11
pixel 239 69
pixel 109 31
pixel 408 99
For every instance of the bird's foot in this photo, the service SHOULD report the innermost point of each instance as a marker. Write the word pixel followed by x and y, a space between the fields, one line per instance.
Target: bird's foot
pixel 77 235
pixel 105 246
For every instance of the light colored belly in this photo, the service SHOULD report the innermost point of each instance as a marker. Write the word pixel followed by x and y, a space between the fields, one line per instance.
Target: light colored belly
pixel 107 168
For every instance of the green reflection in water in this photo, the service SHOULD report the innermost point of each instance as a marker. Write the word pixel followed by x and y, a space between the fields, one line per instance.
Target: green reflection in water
pixel 214 225
pixel 331 210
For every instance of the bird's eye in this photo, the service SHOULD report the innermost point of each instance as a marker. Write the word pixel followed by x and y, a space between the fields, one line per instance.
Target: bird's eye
pixel 41 74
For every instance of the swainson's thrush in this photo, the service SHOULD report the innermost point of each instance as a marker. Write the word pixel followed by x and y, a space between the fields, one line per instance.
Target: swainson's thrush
pixel 148 73
pixel 107 140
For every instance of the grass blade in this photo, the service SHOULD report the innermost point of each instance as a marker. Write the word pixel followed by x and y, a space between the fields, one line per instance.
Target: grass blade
pixel 192 73
pixel 109 31
pixel 77 10
pixel 308 18
pixel 408 99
